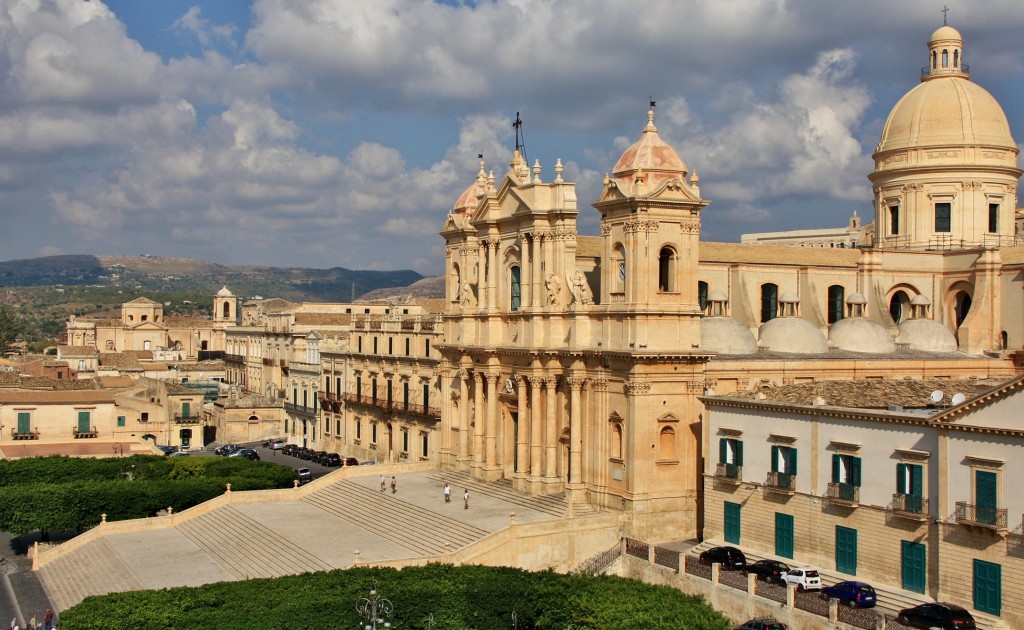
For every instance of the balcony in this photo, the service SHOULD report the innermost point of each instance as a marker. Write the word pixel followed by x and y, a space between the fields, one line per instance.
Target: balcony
pixel 393 406
pixel 985 517
pixel 89 433
pixel 186 419
pixel 729 473
pixel 908 506
pixel 780 482
pixel 302 410
pixel 842 494
pixel 234 358
pixel 24 435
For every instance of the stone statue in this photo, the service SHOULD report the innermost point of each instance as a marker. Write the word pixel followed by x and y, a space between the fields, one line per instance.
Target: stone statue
pixel 579 288
pixel 468 299
pixel 554 287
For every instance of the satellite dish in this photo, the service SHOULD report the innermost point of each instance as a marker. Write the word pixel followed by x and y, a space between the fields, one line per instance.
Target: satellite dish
pixel 958 398
pixel 937 396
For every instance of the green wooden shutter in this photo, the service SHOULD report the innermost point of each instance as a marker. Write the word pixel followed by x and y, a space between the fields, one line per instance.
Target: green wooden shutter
pixel 986 496
pixel 835 469
pixel 855 471
pixel 186 409
pixel 24 422
pixel 792 461
pixel 901 478
pixel 775 459
pixel 988 587
pixel 739 453
pixel 916 480
pixel 83 422
pixel 723 451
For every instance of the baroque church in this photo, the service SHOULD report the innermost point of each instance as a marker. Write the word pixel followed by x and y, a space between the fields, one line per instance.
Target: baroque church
pixel 575 363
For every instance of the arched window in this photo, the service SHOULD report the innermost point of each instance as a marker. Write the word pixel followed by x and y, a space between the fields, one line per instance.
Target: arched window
pixel 667 444
pixel 899 306
pixel 956 58
pixel 934 60
pixel 1004 340
pixel 836 302
pixel 769 302
pixel 666 269
pixel 145 345
pixel 618 269
pixel 702 295
pixel 515 288
pixel 945 58
pixel 616 445
pixel 227 310
pixel 963 306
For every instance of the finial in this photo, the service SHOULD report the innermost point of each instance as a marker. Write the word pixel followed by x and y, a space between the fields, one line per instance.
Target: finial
pixel 650 120
pixel 606 179
pixel 490 181
pixel 945 14
pixel 558 171
pixel 693 178
pixel 536 171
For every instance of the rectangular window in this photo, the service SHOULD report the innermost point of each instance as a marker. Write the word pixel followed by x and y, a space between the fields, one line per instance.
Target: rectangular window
pixel 426 398
pixel 730 457
pixel 405 440
pixel 359 344
pixel 405 395
pixel 426 347
pixel 373 390
pixel 516 297
pixel 391 345
pixel 337 427
pixel 784 460
pixel 144 417
pixel 846 550
pixel 986 499
pixel 942 217
pixel 406 346
pixel 846 469
pixel 120 421
pixel 375 345
pixel 993 217
pixel 337 385
pixel 186 409
pixel 24 422
pixel 424 444
pixel 389 389
pixel 373 433
pixel 84 422
pixel 359 430
pixel 894 220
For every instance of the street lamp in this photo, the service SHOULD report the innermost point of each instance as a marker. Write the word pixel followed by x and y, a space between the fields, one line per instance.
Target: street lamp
pixel 375 610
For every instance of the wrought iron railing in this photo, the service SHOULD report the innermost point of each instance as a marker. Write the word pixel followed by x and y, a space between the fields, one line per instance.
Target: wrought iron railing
pixel 187 419
pixel 731 472
pixel 982 516
pixel 780 481
pixel 600 562
pixel 395 406
pixel 88 433
pixel 24 435
pixel 842 493
pixel 909 505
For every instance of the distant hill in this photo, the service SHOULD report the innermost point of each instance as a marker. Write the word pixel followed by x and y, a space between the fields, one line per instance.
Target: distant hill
pixel 428 287
pixel 184 275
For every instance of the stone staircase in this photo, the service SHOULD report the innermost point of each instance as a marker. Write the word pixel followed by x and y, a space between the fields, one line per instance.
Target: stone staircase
pixel 95 569
pixel 245 548
pixel 417 529
pixel 553 504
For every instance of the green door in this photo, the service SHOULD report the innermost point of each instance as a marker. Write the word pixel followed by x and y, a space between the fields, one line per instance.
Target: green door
pixel 914 565
pixel 846 550
pixel 83 422
pixel 186 409
pixel 985 493
pixel 732 523
pixel 784 535
pixel 24 422
pixel 988 588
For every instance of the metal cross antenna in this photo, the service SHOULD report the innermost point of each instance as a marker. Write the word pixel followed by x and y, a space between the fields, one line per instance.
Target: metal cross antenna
pixel 520 139
pixel 945 11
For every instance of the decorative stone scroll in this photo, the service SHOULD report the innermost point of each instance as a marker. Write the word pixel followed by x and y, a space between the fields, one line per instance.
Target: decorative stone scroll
pixel 637 388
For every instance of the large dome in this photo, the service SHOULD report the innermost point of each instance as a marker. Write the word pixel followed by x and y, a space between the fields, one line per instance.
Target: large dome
pixel 792 334
pixel 857 334
pixel 926 334
pixel 652 157
pixel 946 111
pixel 725 335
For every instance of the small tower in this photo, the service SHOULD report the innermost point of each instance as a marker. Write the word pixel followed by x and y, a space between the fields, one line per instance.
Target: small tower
pixel 225 307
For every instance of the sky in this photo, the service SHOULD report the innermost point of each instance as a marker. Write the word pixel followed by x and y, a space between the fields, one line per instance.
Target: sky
pixel 339 133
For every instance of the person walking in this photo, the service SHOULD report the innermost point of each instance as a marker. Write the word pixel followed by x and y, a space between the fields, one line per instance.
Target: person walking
pixel 447 493
pixel 394 484
pixel 382 483
pixel 465 499
pixel 48 619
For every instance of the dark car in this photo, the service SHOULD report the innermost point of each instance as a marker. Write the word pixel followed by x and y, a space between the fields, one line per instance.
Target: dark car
pixel 351 461
pixel 289 449
pixel 319 457
pixel 769 570
pixel 762 624
pixel 248 453
pixel 305 453
pixel 167 450
pixel 852 593
pixel 227 449
pixel 936 615
pixel 730 558
pixel 304 475
pixel 332 459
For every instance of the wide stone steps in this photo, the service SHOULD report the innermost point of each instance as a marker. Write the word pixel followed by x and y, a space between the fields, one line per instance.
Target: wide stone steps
pixel 94 569
pixel 410 526
pixel 245 548
pixel 553 504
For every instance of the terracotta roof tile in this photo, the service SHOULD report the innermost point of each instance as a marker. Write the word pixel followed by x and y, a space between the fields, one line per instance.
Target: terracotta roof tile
pixel 869 394
pixel 323 319
pixel 710 252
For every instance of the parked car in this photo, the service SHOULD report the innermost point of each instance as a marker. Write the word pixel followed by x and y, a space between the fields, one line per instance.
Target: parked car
pixel 352 461
pixel 730 558
pixel 277 444
pixel 332 459
pixel 304 475
pixel 937 615
pixel 249 453
pixel 769 570
pixel 167 450
pixel 305 453
pixel 290 449
pixel 368 462
pixel 226 449
pixel 852 593
pixel 762 624
pixel 179 454
pixel 805 578
pixel 319 457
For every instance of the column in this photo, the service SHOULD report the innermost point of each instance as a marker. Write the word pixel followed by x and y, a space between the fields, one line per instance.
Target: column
pixel 481 276
pixel 550 430
pixel 538 264
pixel 448 419
pixel 536 427
pixel 478 424
pixel 525 273
pixel 493 299
pixel 463 414
pixel 521 463
pixel 491 432
pixel 575 436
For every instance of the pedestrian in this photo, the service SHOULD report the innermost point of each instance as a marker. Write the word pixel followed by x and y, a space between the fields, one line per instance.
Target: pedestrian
pixel 14 623
pixel 32 623
pixel 447 493
pixel 394 484
pixel 48 619
pixel 465 499
pixel 382 483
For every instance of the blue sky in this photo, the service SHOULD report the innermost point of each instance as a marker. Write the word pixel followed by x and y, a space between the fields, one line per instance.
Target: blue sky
pixel 328 133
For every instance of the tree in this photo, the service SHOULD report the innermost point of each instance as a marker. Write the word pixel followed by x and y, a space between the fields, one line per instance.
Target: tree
pixel 10 328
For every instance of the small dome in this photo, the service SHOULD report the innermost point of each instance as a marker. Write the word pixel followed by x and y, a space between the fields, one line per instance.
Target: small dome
pixel 856 298
pixel 857 334
pixel 652 157
pixel 467 200
pixel 225 292
pixel 927 335
pixel 725 335
pixel 920 300
pixel 788 297
pixel 717 295
pixel 945 33
pixel 792 334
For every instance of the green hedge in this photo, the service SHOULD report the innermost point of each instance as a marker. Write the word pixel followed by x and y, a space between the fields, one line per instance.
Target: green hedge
pixel 458 598
pixel 69 494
